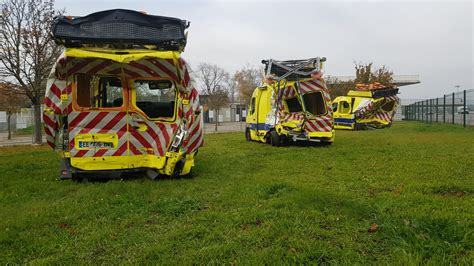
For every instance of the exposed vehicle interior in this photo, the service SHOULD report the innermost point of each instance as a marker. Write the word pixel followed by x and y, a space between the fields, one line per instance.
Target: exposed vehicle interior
pixel 388 106
pixel 95 91
pixel 293 105
pixel 156 98
pixel 314 103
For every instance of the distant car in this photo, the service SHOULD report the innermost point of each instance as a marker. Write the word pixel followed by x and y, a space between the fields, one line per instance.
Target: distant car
pixel 463 110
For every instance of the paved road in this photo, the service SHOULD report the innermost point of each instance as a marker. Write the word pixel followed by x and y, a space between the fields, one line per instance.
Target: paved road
pixel 224 127
pixel 16 140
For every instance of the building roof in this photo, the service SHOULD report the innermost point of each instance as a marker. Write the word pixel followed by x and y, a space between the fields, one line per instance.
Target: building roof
pixel 399 80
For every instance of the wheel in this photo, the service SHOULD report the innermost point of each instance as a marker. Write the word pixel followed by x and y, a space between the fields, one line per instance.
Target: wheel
pixel 247 134
pixel 274 138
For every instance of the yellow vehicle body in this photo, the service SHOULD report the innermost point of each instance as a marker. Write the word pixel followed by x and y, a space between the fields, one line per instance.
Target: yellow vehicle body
pixel 361 110
pixel 116 110
pixel 267 118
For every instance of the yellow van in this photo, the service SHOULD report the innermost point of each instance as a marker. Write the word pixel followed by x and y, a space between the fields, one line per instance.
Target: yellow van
pixel 293 104
pixel 370 106
pixel 119 98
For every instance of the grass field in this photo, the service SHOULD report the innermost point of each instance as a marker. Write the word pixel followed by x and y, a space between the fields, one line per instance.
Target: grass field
pixel 252 203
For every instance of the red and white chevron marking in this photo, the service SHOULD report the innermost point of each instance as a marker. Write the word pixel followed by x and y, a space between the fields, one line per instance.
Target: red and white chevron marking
pixel 194 138
pixel 55 88
pixel 50 128
pixel 98 122
pixel 285 116
pixel 156 139
pixel 319 124
pixel 316 85
pixel 146 67
pixel 289 92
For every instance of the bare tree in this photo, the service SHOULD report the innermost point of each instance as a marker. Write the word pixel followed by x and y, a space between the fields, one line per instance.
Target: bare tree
pixel 247 79
pixel 27 51
pixel 215 81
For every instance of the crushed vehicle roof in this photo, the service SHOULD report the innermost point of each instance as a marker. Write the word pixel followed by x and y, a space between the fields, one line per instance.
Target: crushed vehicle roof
pixel 121 28
pixel 280 68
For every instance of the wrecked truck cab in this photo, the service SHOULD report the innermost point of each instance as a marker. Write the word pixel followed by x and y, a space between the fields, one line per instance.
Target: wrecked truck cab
pixel 293 104
pixel 371 106
pixel 120 98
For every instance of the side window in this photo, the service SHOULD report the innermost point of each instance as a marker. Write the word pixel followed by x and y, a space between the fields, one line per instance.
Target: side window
pixel 156 98
pixel 334 107
pixel 344 107
pixel 252 106
pixel 94 91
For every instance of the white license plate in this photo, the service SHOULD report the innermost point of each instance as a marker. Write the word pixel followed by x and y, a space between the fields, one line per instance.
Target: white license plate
pixel 95 145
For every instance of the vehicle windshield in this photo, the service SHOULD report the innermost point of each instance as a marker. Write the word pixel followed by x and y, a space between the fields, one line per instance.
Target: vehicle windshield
pixel 314 103
pixel 156 98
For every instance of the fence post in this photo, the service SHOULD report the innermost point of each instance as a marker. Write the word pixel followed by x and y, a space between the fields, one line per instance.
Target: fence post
pixel 419 111
pixel 444 109
pixel 453 108
pixel 431 111
pixel 437 111
pixel 422 111
pixel 464 110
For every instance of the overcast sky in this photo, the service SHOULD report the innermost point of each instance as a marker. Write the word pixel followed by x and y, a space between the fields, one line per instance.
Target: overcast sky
pixel 432 39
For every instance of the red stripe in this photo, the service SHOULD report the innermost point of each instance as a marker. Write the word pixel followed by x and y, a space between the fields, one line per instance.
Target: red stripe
pixel 115 71
pixel 50 104
pixel 165 135
pixel 140 138
pixel 47 131
pixel 142 67
pixel 194 144
pixel 77 67
pixel 68 109
pixel 131 73
pixel 121 150
pixel 94 122
pixel 112 122
pixel 55 90
pixel 81 153
pixel 134 149
pixel 71 144
pixel 50 122
pixel 166 70
pixel 50 144
pixel 99 67
pixel 78 119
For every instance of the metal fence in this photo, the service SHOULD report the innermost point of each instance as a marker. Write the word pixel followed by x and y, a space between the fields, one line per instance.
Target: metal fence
pixel 453 108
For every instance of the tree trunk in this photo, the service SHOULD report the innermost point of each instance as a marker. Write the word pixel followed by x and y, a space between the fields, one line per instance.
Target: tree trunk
pixel 9 126
pixel 217 118
pixel 37 123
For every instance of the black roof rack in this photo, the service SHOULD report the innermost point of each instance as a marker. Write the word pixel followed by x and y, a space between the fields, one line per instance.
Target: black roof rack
pixel 120 28
pixel 292 69
pixel 384 92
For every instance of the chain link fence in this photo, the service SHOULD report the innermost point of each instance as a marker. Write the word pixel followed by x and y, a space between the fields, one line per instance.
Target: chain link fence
pixel 453 108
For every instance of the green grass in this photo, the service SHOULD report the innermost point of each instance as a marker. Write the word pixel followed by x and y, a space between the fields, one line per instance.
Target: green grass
pixel 252 203
pixel 27 131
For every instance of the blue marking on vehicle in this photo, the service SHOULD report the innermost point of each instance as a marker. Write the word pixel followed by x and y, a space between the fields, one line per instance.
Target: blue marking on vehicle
pixel 260 126
pixel 344 120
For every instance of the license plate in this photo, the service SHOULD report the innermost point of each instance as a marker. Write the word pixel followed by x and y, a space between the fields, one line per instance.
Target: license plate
pixel 95 145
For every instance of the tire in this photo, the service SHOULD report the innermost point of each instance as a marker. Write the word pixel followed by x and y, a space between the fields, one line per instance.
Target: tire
pixel 247 134
pixel 274 139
